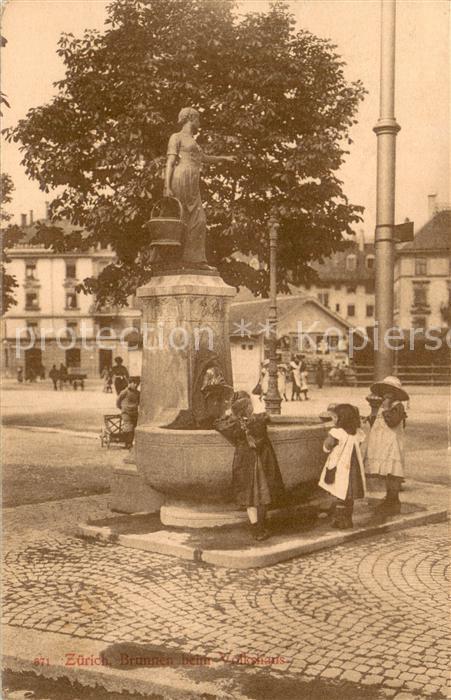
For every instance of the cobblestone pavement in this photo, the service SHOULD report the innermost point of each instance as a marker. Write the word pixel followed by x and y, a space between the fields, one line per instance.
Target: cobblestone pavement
pixel 372 613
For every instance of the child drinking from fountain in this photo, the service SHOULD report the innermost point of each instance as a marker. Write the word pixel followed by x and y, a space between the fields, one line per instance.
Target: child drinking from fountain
pixel 256 477
pixel 385 448
pixel 343 475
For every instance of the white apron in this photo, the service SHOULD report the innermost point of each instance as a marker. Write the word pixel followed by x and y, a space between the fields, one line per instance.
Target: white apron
pixel 385 448
pixel 340 457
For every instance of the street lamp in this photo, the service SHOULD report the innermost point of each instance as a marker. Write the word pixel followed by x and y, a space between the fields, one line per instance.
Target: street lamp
pixel 386 130
pixel 273 399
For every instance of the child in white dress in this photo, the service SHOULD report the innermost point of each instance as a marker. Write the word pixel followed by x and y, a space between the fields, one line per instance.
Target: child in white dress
pixel 385 448
pixel 343 475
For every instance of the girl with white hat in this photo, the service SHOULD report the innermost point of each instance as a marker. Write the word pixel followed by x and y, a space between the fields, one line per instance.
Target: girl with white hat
pixel 385 449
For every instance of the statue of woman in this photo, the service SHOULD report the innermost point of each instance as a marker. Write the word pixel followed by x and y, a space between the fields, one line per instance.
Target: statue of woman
pixel 184 161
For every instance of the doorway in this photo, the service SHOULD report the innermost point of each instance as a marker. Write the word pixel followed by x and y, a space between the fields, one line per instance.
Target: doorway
pixel 105 359
pixel 33 364
pixel 73 357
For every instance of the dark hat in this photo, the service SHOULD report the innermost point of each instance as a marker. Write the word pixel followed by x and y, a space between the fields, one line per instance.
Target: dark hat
pixel 214 382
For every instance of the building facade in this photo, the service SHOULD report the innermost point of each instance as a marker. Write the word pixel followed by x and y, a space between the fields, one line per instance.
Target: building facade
pixel 305 326
pixel 422 276
pixel 52 323
pixel 346 284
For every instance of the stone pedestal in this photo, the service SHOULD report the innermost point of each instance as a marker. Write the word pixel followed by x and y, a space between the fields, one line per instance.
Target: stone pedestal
pixel 182 314
pixel 194 515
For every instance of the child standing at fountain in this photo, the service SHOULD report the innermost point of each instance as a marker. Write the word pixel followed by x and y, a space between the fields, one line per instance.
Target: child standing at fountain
pixel 343 474
pixel 257 480
pixel 385 450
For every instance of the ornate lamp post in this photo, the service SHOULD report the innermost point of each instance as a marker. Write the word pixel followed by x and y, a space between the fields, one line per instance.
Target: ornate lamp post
pixel 273 399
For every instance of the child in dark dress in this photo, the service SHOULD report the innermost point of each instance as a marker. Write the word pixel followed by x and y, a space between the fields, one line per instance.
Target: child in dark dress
pixel 257 480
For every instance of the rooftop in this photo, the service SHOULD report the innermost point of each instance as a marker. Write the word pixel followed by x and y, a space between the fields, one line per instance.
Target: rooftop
pixel 335 269
pixel 435 235
pixel 253 316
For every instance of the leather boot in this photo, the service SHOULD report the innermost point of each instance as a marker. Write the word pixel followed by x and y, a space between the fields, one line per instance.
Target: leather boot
pixel 391 505
pixel 342 519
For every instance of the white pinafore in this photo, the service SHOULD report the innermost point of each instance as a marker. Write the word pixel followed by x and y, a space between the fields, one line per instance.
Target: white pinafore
pixel 385 448
pixel 340 457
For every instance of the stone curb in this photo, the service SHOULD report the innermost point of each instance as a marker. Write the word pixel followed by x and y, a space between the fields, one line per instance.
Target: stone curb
pixel 172 543
pixel 60 431
pixel 22 647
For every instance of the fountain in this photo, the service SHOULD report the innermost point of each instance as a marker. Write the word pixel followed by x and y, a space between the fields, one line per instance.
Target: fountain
pixel 186 474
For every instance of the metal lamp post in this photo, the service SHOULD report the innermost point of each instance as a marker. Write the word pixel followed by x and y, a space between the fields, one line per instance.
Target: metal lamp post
pixel 386 130
pixel 273 399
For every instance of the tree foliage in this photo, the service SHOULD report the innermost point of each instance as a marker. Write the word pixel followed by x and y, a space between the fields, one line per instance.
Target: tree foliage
pixel 9 236
pixel 274 96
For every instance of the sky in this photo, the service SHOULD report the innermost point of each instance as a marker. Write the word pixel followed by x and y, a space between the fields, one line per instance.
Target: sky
pixel 30 66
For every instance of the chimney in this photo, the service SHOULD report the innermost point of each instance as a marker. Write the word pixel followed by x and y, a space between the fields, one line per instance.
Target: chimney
pixel 432 204
pixel 31 217
pixel 23 220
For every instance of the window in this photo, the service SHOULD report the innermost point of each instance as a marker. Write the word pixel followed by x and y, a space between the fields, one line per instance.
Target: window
pixel 30 270
pixel 351 310
pixel 72 326
pixel 351 263
pixel 71 270
pixel 369 287
pixel 419 322
pixel 337 287
pixel 351 289
pixel 369 310
pixel 369 262
pixel 332 341
pixel 337 308
pixel 323 298
pixel 71 300
pixel 420 295
pixel 31 301
pixel 421 266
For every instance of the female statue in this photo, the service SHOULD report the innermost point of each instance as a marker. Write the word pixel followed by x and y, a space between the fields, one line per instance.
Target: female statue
pixel 184 161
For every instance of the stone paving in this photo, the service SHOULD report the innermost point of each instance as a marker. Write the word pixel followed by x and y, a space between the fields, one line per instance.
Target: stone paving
pixel 373 613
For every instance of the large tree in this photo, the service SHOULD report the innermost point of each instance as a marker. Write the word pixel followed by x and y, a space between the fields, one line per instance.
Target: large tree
pixel 10 235
pixel 274 96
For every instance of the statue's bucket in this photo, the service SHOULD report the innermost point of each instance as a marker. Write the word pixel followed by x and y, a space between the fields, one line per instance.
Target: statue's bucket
pixel 166 226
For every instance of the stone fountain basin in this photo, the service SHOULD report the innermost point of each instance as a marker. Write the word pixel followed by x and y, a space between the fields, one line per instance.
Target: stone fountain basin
pixel 196 465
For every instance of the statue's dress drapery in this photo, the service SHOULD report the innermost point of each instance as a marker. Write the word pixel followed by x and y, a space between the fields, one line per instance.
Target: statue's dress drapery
pixel 185 186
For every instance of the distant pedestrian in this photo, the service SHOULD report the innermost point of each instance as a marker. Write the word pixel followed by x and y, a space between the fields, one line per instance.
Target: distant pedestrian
pixel 303 389
pixel 107 375
pixel 295 367
pixel 128 402
pixel 282 381
pixel 320 374
pixel 42 372
pixel 30 375
pixel 343 474
pixel 54 375
pixel 62 379
pixel 385 450
pixel 120 375
pixel 264 379
pixel 20 375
